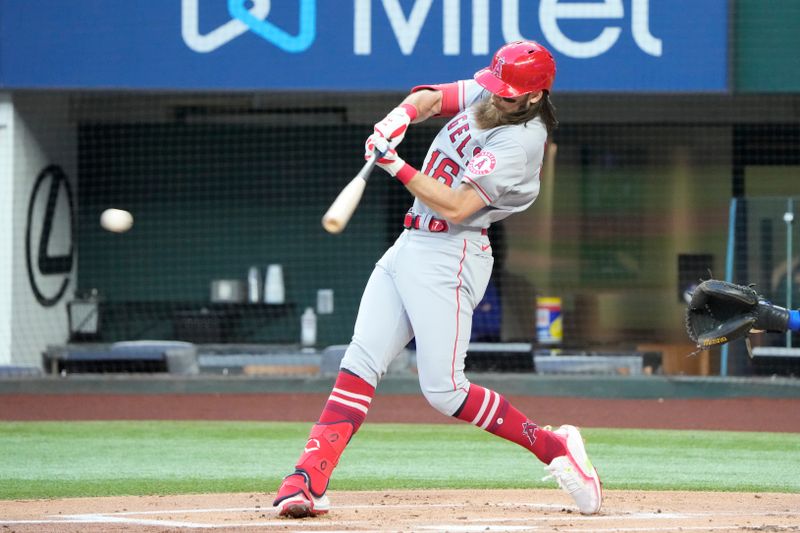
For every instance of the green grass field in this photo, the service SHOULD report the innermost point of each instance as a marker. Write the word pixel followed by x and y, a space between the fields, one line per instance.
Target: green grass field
pixel 70 459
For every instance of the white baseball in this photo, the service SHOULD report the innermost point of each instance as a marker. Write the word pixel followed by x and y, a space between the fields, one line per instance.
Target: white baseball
pixel 116 220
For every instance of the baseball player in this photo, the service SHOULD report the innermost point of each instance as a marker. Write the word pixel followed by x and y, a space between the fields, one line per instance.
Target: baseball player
pixel 482 167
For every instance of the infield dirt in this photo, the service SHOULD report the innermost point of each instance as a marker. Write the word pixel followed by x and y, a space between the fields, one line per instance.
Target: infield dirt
pixel 440 510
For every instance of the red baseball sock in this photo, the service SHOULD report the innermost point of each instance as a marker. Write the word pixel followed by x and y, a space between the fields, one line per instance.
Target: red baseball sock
pixel 349 400
pixel 343 414
pixel 490 411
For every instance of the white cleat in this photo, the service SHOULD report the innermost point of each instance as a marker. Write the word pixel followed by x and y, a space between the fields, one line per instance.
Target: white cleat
pixel 574 472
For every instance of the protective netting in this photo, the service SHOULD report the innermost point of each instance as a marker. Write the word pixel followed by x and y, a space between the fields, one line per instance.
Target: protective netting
pixel 634 207
pixel 630 215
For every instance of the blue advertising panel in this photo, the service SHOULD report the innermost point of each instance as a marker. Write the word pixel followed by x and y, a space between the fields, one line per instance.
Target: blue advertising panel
pixel 599 45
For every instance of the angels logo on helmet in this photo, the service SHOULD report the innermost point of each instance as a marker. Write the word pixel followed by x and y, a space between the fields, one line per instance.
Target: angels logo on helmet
pixel 497 68
pixel 518 68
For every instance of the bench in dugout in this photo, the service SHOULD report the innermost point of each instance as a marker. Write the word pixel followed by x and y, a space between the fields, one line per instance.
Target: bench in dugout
pixel 524 357
pixel 776 360
pixel 146 357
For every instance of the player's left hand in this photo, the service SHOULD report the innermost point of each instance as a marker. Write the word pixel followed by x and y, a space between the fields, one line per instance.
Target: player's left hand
pixel 394 125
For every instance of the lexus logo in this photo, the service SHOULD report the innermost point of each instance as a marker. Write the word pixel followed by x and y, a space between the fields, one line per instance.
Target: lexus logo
pixel 49 236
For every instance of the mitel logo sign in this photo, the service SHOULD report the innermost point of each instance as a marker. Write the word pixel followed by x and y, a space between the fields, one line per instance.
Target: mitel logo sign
pixel 248 19
pixel 252 15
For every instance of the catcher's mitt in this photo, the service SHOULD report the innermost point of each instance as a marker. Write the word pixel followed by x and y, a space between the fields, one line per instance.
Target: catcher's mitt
pixel 721 312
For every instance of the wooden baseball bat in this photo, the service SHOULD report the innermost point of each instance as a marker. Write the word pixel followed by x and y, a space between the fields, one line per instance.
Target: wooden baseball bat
pixel 341 210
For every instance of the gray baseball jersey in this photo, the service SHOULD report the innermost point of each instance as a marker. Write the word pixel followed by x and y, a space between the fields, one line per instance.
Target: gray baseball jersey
pixel 502 164
pixel 428 283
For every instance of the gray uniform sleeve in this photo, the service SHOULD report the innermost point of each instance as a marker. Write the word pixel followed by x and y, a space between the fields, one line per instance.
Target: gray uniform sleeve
pixel 473 93
pixel 505 173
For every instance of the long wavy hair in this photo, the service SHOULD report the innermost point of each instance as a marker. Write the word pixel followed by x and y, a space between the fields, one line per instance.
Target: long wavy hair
pixel 543 108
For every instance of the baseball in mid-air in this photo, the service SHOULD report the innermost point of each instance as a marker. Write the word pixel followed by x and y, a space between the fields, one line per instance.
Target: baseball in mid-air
pixel 116 220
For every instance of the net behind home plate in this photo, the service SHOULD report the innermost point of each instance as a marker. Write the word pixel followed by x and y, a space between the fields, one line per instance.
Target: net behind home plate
pixel 634 206
pixel 629 216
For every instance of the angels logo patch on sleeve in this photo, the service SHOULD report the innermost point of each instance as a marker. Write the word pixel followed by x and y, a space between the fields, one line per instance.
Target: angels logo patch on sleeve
pixel 482 164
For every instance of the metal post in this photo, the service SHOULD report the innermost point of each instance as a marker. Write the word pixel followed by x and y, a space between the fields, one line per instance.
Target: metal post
pixel 723 362
pixel 788 217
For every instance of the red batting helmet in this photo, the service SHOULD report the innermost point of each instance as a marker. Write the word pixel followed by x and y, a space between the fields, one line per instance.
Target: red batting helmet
pixel 518 68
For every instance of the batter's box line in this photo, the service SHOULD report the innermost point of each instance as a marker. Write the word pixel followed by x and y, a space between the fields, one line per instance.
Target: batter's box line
pixel 729 527
pixel 107 519
pixel 547 506
pixel 597 517
pixel 271 509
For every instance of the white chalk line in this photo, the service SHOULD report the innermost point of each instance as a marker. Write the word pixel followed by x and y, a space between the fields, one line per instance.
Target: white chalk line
pixel 490 524
pixel 271 509
pixel 631 516
pixel 728 527
pixel 106 519
pixel 651 515
pixel 453 528
pixel 469 529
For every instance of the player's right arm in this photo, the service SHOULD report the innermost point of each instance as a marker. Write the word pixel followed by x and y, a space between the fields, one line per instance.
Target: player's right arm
pixel 424 102
pixel 427 101
pixel 451 98
pixel 416 107
pixel 454 204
